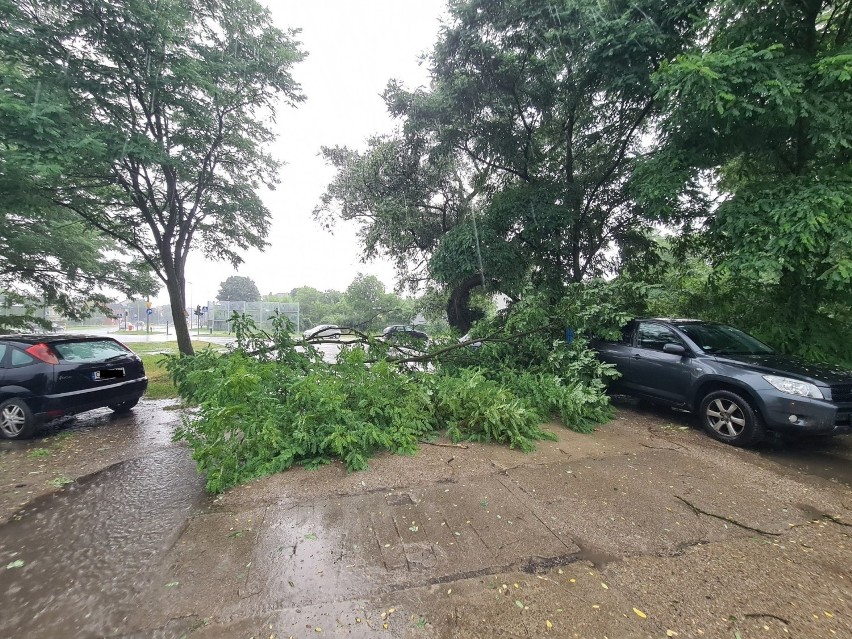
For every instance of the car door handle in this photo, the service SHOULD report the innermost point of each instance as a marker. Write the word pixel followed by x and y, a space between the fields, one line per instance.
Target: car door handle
pixel 637 356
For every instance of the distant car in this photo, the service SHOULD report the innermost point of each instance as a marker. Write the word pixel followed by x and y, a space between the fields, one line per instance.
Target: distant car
pixel 739 386
pixel 47 376
pixel 466 338
pixel 400 332
pixel 323 331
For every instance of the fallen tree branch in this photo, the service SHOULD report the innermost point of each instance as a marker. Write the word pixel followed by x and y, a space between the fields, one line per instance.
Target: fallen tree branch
pixel 422 356
pixel 698 510
pixel 423 441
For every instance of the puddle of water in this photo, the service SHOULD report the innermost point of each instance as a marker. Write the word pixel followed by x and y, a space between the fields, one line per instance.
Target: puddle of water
pixel 146 424
pixel 598 558
pixel 90 543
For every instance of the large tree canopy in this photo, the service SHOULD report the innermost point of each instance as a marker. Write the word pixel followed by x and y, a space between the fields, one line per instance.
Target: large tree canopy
pixel 762 105
pixel 48 255
pixel 238 288
pixel 536 113
pixel 404 193
pixel 175 100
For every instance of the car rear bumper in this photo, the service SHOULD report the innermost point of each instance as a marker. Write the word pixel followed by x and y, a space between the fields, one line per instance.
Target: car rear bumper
pixel 804 415
pixel 88 399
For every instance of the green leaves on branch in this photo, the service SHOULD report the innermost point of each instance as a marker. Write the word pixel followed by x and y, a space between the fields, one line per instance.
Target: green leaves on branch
pixel 273 402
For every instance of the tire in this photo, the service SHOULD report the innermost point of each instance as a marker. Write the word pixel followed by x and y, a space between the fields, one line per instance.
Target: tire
pixel 124 407
pixel 16 420
pixel 728 417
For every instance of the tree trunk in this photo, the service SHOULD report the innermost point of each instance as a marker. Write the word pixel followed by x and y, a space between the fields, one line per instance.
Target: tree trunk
pixel 176 300
pixel 459 314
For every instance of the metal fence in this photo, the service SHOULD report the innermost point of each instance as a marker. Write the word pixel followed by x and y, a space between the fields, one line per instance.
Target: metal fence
pixel 218 313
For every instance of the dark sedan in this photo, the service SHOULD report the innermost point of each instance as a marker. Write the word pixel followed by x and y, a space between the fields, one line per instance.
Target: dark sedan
pixel 47 376
pixel 739 386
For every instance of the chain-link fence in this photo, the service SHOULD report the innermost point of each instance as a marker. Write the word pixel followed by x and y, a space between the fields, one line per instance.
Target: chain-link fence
pixel 218 313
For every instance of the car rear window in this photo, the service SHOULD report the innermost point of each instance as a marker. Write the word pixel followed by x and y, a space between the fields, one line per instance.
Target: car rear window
pixel 89 350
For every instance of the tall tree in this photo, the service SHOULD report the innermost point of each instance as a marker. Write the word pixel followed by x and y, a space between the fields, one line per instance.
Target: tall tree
pixel 405 195
pixel 762 107
pixel 367 305
pixel 238 288
pixel 543 107
pixel 552 100
pixel 177 99
pixel 317 307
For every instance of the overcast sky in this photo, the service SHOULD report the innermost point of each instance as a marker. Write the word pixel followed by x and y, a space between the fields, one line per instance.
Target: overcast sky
pixel 354 47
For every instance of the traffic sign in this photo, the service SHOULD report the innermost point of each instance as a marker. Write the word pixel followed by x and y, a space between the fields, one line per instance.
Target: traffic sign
pixel 149 311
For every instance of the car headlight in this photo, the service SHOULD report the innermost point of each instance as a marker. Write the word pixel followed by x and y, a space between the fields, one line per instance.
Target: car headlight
pixel 794 386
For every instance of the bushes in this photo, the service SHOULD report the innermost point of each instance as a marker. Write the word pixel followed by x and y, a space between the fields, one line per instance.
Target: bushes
pixel 271 403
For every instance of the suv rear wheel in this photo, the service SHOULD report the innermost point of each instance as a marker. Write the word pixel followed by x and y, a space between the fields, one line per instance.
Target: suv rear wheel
pixel 728 417
pixel 16 420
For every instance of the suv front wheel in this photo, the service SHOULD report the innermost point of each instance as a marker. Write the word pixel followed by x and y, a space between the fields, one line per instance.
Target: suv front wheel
pixel 728 417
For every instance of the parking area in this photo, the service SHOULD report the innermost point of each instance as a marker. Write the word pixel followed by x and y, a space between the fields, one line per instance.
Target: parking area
pixel 646 528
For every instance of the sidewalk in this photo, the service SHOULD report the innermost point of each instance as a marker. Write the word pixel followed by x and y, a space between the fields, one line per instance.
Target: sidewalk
pixel 637 531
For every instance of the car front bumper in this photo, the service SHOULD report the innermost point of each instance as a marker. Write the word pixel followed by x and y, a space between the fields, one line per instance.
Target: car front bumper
pixel 804 415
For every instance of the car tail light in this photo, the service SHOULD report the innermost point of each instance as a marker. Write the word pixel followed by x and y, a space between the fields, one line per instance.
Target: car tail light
pixel 43 352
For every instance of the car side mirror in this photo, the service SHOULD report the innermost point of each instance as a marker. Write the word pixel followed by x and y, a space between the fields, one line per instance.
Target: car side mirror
pixel 674 349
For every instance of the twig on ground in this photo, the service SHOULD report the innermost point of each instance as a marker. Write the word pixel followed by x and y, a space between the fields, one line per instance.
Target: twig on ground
pixel 423 441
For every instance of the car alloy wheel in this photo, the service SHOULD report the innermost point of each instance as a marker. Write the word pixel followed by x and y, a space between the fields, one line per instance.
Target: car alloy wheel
pixel 16 420
pixel 728 416
pixel 725 417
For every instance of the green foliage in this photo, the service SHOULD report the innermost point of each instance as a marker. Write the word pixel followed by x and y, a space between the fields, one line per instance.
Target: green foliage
pixel 272 402
pixel 403 192
pixel 259 416
pixel 167 109
pixel 579 405
pixel 475 408
pixel 759 110
pixel 682 283
pixel 48 255
pixel 316 307
pixel 238 288
pixel 364 305
pixel 367 306
pixel 515 167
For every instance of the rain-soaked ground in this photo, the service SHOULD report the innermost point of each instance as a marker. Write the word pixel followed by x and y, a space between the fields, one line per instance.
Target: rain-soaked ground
pixel 645 529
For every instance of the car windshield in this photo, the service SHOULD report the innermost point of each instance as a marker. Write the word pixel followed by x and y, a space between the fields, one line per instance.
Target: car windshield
pixel 89 350
pixel 718 338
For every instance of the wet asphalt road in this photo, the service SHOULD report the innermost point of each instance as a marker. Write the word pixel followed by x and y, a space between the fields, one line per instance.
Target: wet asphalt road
pixel 826 457
pixel 92 549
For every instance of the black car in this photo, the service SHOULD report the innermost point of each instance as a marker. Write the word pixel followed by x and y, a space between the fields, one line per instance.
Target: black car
pixel 739 386
pixel 47 376
pixel 403 333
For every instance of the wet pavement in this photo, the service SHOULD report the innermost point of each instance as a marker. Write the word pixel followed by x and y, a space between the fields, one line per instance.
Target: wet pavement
pixel 647 528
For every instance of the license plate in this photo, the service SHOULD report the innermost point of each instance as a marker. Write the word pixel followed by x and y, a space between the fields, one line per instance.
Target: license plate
pixel 112 373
